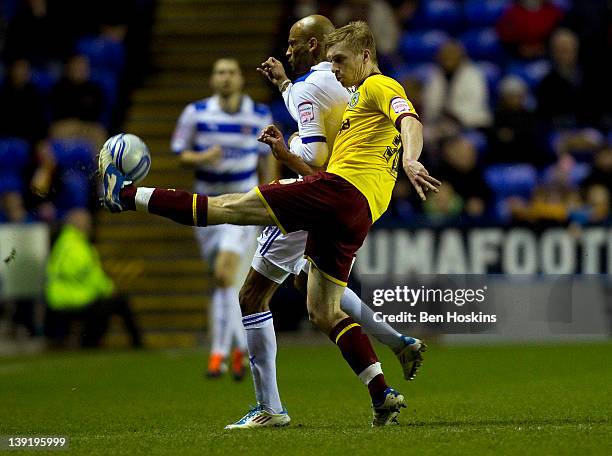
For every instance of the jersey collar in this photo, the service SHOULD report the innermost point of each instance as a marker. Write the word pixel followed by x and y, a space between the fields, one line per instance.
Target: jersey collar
pixel 321 66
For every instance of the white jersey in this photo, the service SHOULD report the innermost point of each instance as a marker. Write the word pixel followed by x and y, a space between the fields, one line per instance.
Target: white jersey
pixel 316 101
pixel 204 124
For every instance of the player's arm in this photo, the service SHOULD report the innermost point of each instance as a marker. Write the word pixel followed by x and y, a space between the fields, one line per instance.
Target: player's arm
pixel 390 98
pixel 194 158
pixel 274 138
pixel 182 141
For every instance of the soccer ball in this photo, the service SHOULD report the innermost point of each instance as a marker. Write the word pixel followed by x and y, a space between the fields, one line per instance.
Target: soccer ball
pixel 130 155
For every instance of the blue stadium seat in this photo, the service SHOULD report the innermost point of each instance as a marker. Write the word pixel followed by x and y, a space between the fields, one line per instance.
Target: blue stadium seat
pixel 14 154
pixel 102 53
pixel 482 44
pixel 478 139
pixel 74 192
pixel 74 154
pixel 107 80
pixel 420 72
pixel 422 46
pixel 44 79
pixel 511 179
pixel 483 13
pixel 438 14
pixel 493 73
pixel 530 72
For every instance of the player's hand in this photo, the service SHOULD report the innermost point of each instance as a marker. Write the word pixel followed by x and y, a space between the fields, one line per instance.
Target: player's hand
pixel 213 154
pixel 420 179
pixel 274 71
pixel 274 138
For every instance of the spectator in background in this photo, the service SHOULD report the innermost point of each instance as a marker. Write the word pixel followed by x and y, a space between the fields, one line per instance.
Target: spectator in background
pixel 526 26
pixel 12 208
pixel 77 103
pixel 32 34
pixel 382 21
pixel 601 172
pixel 79 289
pixel 22 112
pixel 566 97
pixel 513 138
pixel 461 171
pixel 446 206
pixel 455 92
pixel 75 95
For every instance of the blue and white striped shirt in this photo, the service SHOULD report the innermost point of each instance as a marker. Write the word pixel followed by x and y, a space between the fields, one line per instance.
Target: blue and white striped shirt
pixel 204 124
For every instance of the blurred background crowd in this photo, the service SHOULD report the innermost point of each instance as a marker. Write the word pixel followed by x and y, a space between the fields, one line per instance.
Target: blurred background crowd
pixel 514 97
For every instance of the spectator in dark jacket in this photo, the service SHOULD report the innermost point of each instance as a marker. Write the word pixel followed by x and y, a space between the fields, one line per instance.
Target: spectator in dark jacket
pixel 76 96
pixel 22 114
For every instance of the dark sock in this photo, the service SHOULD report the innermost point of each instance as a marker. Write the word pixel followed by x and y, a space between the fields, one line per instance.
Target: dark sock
pixel 358 352
pixel 178 205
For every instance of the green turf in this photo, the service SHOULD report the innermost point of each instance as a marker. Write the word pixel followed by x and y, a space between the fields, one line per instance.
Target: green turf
pixel 553 399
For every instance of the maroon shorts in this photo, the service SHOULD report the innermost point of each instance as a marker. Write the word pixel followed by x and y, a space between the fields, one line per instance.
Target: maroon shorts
pixel 335 214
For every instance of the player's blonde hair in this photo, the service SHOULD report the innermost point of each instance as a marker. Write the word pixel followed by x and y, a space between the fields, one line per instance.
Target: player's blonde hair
pixel 357 36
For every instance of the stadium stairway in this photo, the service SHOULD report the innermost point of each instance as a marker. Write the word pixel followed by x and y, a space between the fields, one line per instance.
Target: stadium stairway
pixel 154 260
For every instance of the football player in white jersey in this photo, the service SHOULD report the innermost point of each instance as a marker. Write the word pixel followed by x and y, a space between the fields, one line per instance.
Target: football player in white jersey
pixel 316 100
pixel 217 136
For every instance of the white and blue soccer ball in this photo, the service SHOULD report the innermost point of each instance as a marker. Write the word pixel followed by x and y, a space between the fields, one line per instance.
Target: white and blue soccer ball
pixel 130 155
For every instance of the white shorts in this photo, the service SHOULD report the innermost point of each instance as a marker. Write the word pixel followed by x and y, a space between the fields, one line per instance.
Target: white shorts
pixel 279 255
pixel 225 238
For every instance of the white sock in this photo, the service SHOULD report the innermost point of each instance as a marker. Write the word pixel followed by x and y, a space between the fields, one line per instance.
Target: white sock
pixel 362 314
pixel 238 336
pixel 261 341
pixel 220 342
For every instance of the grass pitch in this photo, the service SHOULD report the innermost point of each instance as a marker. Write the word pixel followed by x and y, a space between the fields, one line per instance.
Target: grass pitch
pixel 554 399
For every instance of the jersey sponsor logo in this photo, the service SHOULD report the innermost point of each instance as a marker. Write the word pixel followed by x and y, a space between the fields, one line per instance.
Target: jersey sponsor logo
pixel 305 112
pixel 399 105
pixel 354 100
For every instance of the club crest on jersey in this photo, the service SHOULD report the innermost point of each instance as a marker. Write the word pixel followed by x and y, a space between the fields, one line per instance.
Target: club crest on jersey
pixel 354 100
pixel 399 105
pixel 305 112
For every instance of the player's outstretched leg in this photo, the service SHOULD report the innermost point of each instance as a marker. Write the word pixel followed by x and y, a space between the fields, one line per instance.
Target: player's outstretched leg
pixel 408 350
pixel 323 302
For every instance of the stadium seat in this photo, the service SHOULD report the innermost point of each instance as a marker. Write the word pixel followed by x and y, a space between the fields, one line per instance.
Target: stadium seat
pixel 103 53
pixel 44 79
pixel 483 13
pixel 493 74
pixel 482 44
pixel 511 179
pixel 439 14
pixel 420 72
pixel 530 72
pixel 74 154
pixel 107 80
pixel 422 46
pixel 478 139
pixel 14 153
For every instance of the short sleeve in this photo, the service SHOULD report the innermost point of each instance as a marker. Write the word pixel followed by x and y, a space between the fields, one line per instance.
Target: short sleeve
pixel 389 97
pixel 182 138
pixel 310 115
pixel 266 119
